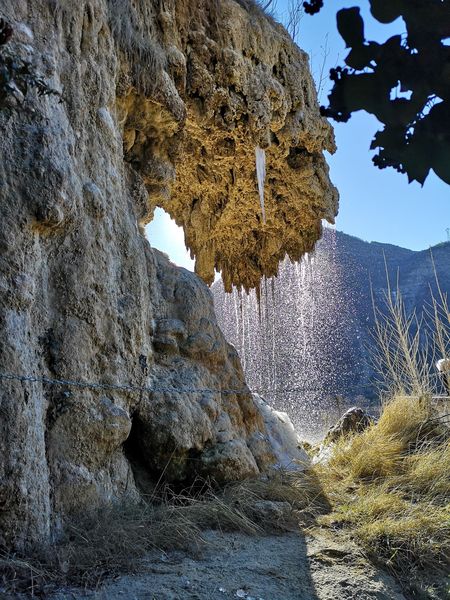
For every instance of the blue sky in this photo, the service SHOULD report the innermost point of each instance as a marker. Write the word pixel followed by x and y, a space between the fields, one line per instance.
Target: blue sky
pixel 375 205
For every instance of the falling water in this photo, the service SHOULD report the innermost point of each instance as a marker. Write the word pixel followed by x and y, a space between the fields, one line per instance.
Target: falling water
pixel 298 347
pixel 261 177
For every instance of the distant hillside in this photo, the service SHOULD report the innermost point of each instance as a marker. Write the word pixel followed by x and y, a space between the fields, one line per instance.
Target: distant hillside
pixel 364 267
pixel 414 269
pixel 310 339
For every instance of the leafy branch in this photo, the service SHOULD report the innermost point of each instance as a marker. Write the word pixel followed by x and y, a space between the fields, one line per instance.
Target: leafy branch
pixel 404 82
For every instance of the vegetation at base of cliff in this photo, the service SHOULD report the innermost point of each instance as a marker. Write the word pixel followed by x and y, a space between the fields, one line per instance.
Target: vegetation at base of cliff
pixel 111 540
pixel 390 484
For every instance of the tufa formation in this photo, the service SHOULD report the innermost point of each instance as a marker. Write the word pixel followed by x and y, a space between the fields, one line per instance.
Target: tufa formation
pixel 153 103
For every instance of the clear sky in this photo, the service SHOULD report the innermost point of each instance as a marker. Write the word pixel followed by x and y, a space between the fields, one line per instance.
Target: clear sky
pixel 376 205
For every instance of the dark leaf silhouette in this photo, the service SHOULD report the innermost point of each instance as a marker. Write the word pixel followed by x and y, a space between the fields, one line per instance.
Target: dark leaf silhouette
pixel 351 26
pixel 404 82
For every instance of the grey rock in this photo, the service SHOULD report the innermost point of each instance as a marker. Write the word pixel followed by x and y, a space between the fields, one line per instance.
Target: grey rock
pixel 83 296
pixel 354 420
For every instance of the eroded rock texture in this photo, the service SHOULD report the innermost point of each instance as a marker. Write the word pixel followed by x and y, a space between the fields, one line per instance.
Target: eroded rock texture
pixel 164 103
pixel 233 81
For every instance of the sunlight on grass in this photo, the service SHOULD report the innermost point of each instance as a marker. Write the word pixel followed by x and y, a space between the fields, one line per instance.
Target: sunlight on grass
pixel 390 485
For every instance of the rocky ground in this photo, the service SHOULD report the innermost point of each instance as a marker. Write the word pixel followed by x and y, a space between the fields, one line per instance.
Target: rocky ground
pixel 321 565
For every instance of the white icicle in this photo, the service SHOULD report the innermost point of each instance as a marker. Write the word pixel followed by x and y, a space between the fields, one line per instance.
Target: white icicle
pixel 261 176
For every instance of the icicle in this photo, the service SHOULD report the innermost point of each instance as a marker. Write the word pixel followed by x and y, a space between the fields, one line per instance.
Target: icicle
pixel 261 177
pixel 266 295
pixel 258 300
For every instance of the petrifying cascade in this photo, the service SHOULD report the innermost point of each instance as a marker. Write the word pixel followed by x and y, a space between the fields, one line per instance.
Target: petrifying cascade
pixel 164 105
pixel 310 346
pixel 296 341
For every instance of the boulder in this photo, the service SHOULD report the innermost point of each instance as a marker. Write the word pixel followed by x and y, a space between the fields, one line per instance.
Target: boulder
pixel 354 420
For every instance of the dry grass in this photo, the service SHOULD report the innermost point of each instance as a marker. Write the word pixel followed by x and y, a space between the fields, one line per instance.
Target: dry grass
pixel 390 485
pixel 402 355
pixel 99 544
pixel 259 8
pixel 112 540
pixel 301 491
pixel 408 344
pixel 404 424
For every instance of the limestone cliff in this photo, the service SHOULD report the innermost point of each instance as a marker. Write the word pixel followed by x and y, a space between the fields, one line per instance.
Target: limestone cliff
pixel 164 102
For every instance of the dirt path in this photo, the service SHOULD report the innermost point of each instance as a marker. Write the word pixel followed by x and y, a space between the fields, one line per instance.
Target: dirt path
pixel 283 567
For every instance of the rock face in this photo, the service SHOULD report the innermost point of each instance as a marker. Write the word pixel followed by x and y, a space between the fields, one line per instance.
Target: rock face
pixel 233 81
pixel 163 104
pixel 285 443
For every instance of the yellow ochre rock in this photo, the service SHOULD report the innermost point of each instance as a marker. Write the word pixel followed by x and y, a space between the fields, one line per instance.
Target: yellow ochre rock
pixel 221 80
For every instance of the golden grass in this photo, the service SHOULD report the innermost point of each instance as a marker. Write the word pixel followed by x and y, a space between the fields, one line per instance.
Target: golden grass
pixel 429 472
pixel 379 451
pixel 390 485
pixel 300 490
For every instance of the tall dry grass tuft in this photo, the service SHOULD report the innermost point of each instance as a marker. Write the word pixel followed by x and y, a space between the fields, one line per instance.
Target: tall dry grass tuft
pixel 259 7
pixel 99 544
pixel 391 486
pixel 391 483
pixel 401 358
pixel 408 345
